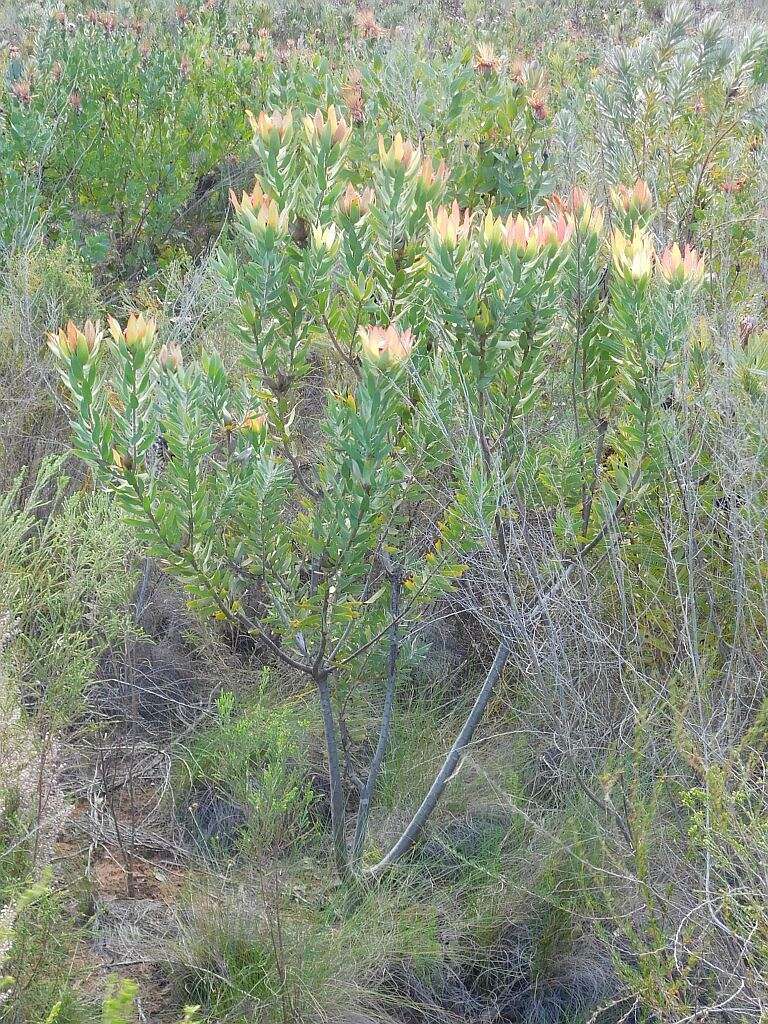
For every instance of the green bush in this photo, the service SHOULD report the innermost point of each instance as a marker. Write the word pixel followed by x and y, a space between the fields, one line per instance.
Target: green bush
pixel 254 753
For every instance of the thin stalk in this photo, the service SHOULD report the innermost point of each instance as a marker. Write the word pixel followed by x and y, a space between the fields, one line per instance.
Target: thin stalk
pixel 386 721
pixel 338 816
pixel 444 776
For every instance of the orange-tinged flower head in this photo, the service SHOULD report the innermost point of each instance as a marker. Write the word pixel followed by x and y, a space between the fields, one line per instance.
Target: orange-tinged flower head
pixel 258 209
pixel 138 333
pixel 402 153
pixel 170 357
pixel 633 257
pixel 578 205
pixel 352 94
pixel 679 267
pixel 22 92
pixel 637 199
pixel 537 101
pixel 386 346
pixel 485 60
pixel 518 234
pixel 429 175
pixel 354 204
pixel 250 200
pixel 270 127
pixel 72 341
pixel 450 226
pixel 330 128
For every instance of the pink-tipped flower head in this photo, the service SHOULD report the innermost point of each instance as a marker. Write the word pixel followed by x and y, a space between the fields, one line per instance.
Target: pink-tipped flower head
pixel 682 267
pixel 449 226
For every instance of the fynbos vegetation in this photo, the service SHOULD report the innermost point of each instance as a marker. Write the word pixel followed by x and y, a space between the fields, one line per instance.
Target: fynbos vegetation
pixel 383 589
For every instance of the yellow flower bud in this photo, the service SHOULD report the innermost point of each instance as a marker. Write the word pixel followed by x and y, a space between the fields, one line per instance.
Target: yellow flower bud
pixel 324 238
pixel 271 127
pixel 333 130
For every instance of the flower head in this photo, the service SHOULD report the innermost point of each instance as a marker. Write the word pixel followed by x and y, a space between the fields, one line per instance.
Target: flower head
pixel 633 257
pixel 352 94
pixel 638 199
pixel 366 24
pixel 170 357
pixel 450 226
pixel 537 101
pixel 274 126
pixel 331 128
pixel 386 346
pixel 72 341
pixel 324 237
pixel 485 60
pixel 530 237
pixel 22 92
pixel 258 209
pixel 354 204
pixel 553 233
pixel 680 267
pixel 254 422
pixel 401 154
pixel 432 178
pixel 138 334
pixel 578 205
